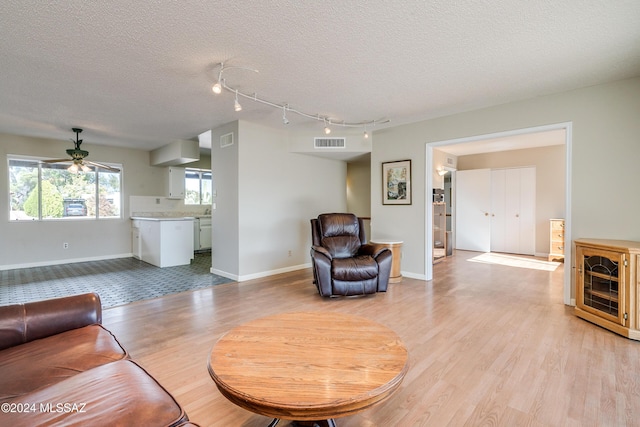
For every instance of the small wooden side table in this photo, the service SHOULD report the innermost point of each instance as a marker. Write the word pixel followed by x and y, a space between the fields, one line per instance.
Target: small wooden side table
pixel 396 255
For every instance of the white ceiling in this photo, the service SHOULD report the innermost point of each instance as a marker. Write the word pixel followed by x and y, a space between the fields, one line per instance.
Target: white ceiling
pixel 139 73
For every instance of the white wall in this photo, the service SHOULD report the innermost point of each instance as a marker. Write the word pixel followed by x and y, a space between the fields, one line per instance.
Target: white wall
pixel 278 192
pixel 224 218
pixel 605 138
pixel 31 243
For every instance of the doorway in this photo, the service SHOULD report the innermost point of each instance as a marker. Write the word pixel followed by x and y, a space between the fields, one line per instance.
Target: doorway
pixel 502 138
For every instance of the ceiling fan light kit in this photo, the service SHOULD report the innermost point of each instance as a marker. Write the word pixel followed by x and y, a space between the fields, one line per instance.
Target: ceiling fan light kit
pixel 78 158
pixel 222 84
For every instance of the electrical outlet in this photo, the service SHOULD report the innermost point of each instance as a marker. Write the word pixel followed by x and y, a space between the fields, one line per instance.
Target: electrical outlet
pixel 289 252
pixel 65 245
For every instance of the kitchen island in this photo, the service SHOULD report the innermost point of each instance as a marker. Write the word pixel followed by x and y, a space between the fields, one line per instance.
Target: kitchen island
pixel 163 241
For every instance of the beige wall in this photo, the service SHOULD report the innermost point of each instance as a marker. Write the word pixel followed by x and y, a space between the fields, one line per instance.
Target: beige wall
pixel 550 181
pixel 28 243
pixel 359 190
pixel 605 129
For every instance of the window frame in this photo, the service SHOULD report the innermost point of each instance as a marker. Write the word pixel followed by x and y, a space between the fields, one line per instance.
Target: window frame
pixel 40 161
pixel 200 173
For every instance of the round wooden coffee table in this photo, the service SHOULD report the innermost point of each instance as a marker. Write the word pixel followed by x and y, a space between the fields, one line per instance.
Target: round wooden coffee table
pixel 309 367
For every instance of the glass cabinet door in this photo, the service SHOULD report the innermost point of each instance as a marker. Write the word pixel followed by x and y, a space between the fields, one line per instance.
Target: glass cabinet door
pixel 600 283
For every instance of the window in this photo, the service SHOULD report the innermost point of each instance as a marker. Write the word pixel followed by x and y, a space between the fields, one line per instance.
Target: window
pixel 43 191
pixel 198 187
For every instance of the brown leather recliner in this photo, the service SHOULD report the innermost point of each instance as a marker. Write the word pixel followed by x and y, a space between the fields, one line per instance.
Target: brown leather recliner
pixel 343 262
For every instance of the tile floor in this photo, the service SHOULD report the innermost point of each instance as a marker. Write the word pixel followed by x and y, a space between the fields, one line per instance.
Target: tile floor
pixel 118 281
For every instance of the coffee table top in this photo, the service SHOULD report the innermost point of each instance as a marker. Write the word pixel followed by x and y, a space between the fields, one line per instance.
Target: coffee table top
pixel 308 365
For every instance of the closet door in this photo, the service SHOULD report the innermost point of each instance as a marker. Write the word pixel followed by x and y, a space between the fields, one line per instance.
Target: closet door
pixel 473 203
pixel 498 211
pixel 513 217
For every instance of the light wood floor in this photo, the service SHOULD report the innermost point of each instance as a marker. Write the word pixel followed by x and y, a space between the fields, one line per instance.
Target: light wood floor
pixel 488 345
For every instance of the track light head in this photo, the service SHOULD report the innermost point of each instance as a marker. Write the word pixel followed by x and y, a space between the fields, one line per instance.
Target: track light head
pixel 236 105
pixel 217 88
pixel 366 135
pixel 284 115
pixel 327 130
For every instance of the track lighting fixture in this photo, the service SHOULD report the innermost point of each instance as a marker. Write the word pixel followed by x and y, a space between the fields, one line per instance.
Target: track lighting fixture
pixel 366 135
pixel 236 105
pixel 222 84
pixel 217 87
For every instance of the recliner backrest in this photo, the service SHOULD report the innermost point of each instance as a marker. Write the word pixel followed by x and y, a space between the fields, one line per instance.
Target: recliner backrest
pixel 340 234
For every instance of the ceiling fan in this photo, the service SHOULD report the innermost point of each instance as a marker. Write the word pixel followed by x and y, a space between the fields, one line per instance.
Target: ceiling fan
pixel 78 158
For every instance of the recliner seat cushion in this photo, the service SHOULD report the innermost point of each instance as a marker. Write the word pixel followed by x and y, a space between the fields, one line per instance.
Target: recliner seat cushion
pixel 39 363
pixel 358 268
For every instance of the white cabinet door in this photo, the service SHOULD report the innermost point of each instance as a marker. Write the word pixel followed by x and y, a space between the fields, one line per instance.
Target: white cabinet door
pixel 175 182
pixel 473 203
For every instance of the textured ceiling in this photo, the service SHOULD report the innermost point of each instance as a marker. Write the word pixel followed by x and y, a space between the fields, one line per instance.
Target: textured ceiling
pixel 139 74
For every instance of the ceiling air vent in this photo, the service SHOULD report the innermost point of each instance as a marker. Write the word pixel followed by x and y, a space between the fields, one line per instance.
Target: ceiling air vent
pixel 329 142
pixel 226 140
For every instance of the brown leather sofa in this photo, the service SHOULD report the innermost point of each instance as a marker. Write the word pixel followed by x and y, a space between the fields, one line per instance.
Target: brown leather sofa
pixel 59 366
pixel 344 264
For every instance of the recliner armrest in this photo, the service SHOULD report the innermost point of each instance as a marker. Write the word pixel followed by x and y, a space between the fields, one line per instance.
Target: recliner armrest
pixel 372 249
pixel 321 250
pixel 21 323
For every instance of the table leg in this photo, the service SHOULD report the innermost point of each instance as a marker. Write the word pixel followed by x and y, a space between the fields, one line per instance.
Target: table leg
pixel 323 423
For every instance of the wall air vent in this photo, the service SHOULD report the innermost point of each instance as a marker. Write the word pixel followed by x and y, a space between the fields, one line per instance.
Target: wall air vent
pixel 226 140
pixel 322 142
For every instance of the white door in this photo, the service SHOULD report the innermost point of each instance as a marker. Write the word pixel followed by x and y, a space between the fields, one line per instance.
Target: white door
pixel 498 208
pixel 473 203
pixel 513 193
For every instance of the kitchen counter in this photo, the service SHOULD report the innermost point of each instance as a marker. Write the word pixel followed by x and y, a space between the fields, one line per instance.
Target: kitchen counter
pixel 163 218
pixel 163 241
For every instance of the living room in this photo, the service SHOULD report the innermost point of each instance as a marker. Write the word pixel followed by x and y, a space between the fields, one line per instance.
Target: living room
pixel 269 183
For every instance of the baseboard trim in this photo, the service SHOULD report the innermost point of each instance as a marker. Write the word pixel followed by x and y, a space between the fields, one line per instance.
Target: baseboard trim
pixel 245 277
pixel 414 275
pixel 63 261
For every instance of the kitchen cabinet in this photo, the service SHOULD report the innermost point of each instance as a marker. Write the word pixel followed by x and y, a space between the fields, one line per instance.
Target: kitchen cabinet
pixel 607 284
pixel 175 183
pixel 165 242
pixel 202 233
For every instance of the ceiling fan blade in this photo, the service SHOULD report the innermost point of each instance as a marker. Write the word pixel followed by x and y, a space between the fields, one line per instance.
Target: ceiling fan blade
pixel 57 161
pixel 100 165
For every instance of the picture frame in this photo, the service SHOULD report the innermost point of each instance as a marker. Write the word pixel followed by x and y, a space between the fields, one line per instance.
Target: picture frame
pixel 396 182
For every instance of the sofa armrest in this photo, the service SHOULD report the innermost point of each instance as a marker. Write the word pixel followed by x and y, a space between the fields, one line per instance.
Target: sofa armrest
pixel 21 323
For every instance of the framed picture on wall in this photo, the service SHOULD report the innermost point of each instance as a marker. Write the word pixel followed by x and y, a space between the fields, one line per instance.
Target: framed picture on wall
pixel 396 182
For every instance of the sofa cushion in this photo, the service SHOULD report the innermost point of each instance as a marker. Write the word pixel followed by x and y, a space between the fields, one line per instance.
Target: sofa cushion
pixel 120 393
pixel 35 364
